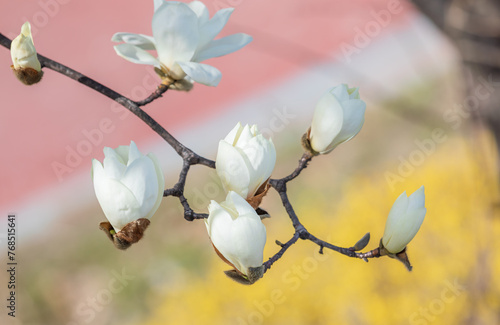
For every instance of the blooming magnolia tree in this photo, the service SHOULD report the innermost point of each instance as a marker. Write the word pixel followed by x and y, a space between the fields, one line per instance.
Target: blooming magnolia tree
pixel 130 186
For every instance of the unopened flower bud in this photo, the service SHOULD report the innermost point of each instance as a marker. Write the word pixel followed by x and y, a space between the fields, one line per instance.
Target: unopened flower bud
pixel 238 236
pixel 404 221
pixel 338 117
pixel 245 161
pixel 25 65
pixel 129 187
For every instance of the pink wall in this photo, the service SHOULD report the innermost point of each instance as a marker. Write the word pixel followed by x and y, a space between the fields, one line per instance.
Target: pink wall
pixel 40 124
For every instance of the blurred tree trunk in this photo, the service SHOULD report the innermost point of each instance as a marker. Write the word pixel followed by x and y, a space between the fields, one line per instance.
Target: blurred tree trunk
pixel 474 27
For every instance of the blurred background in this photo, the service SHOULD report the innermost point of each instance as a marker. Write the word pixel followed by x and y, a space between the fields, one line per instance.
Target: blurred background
pixel 428 72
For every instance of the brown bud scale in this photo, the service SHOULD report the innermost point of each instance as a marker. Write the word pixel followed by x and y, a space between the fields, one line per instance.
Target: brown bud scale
pixel 27 76
pixel 130 234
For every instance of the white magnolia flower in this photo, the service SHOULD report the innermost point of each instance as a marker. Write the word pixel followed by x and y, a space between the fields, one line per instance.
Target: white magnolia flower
pixel 128 185
pixel 404 220
pixel 183 36
pixel 22 50
pixel 238 235
pixel 245 160
pixel 338 117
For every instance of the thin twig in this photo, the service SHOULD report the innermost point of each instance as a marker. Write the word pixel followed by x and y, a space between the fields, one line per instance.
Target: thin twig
pixel 304 160
pixel 278 255
pixel 300 231
pixel 191 158
pixel 178 191
pixel 182 150
pixel 162 88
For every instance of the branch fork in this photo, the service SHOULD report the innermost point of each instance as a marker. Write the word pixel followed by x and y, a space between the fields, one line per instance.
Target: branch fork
pixel 134 231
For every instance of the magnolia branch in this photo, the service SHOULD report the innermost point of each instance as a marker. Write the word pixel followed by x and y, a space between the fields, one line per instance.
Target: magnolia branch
pixel 124 101
pixel 178 191
pixel 191 158
pixel 162 88
pixel 301 232
pixel 284 247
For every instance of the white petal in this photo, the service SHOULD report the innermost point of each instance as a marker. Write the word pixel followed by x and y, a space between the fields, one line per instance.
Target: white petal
pixel 404 221
pixel 398 209
pixel 417 199
pixel 270 159
pixel 260 157
pixel 117 202
pixel 354 117
pixel 234 134
pixel 110 152
pixel 248 239
pixel 214 209
pixel 223 46
pixel 201 73
pixel 200 10
pixel 113 168
pixel 407 228
pixel 240 204
pixel 232 170
pixel 133 153
pixel 161 185
pixel 175 30
pixel 141 41
pixel 114 162
pixel 397 213
pixel 219 226
pixel 140 178
pixel 121 152
pixel 353 92
pixel 327 122
pixel 219 223
pixel 340 92
pixel 26 29
pixel 254 130
pixel 23 51
pixel 212 28
pixel 158 3
pixel 244 137
pixel 96 164
pixel 240 240
pixel 136 55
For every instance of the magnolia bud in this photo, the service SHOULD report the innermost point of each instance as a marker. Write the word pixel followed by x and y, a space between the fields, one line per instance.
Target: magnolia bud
pixel 238 236
pixel 404 221
pixel 26 66
pixel 338 117
pixel 129 187
pixel 245 161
